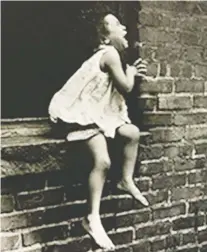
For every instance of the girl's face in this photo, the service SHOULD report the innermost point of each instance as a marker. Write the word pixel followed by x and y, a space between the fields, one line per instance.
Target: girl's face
pixel 115 28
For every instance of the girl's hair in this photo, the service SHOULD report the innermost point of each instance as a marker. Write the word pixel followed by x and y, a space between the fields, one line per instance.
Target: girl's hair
pixel 102 34
pixel 101 29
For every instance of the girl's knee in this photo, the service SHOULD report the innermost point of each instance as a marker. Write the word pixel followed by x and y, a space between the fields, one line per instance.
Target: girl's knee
pixel 98 147
pixel 130 132
pixel 103 163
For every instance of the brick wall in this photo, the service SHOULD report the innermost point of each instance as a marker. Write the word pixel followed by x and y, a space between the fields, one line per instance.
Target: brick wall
pixel 41 212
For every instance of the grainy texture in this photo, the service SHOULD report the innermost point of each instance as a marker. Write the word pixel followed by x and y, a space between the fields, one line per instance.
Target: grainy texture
pixel 43 185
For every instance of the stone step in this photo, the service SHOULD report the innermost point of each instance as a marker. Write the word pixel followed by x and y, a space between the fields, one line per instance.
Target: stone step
pixel 24 127
pixel 23 154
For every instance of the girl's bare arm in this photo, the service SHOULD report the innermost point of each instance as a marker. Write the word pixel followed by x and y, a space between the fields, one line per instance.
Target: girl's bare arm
pixel 124 81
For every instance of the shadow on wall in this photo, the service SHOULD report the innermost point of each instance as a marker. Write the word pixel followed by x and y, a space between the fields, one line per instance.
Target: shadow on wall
pixel 43 44
pixel 132 19
pixel 39 55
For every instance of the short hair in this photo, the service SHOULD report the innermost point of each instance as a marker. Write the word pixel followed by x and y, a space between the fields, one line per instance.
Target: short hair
pixel 101 29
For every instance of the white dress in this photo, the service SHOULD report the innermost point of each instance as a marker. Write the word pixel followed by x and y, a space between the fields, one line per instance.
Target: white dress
pixel 90 100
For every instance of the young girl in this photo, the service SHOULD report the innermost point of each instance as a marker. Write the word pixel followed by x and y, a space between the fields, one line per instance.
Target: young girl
pixel 92 103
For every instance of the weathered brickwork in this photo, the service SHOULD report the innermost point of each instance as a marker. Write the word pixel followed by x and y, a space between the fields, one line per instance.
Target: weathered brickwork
pixel 42 212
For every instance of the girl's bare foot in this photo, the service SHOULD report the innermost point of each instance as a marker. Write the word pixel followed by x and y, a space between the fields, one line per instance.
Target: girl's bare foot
pixel 130 187
pixel 93 226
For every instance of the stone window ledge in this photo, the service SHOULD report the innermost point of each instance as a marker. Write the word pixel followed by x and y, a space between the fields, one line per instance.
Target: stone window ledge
pixel 27 147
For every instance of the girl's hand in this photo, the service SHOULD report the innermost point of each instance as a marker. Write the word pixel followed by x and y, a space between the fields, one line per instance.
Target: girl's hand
pixel 132 70
pixel 141 67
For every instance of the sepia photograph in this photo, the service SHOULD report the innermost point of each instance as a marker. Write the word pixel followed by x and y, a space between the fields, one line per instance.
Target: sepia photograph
pixel 103 126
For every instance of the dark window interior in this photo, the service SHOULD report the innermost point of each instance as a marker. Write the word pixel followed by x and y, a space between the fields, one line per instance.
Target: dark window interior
pixel 43 43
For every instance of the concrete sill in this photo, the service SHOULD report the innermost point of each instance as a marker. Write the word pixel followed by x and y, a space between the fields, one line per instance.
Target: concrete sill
pixel 27 147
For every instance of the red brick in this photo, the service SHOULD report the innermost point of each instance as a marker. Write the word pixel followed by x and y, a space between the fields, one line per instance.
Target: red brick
pixel 168 181
pixel 201 71
pixel 205 87
pixel 10 241
pixel 129 219
pixel 157 5
pixel 62 213
pixel 146 51
pixel 141 246
pixel 156 36
pixel 109 205
pixel 198 206
pixel 200 101
pixel 168 21
pixel 149 169
pixel 172 240
pixel 205 54
pixel 81 245
pixel 188 222
pixel 42 198
pixel 175 102
pixel 75 192
pixel 143 184
pixel 147 103
pixel 190 118
pixel 157 245
pixel 192 86
pixel 153 198
pixel 157 85
pixel 186 193
pixel 197 177
pixel 21 220
pixel 145 139
pixel 193 54
pixel 116 205
pixel 57 178
pixel 164 212
pixel 203 38
pixel 201 146
pixel 154 151
pixel 162 135
pixel 175 68
pixel 28 182
pixel 182 164
pixel 191 23
pixel 152 69
pixel 189 237
pixel 43 235
pixel 159 228
pixel 178 9
pixel 157 119
pixel 203 248
pixel 202 236
pixel 187 70
pixel 168 52
pixel 196 132
pixel 125 249
pixel 163 68
pixel 189 38
pixel 109 222
pixel 7 203
pixel 177 150
pixel 124 204
pixel 157 197
pixel 76 229
pixel 123 237
pixel 149 18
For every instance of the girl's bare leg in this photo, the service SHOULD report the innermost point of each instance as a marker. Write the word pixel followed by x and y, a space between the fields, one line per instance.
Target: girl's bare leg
pixel 101 163
pixel 130 135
